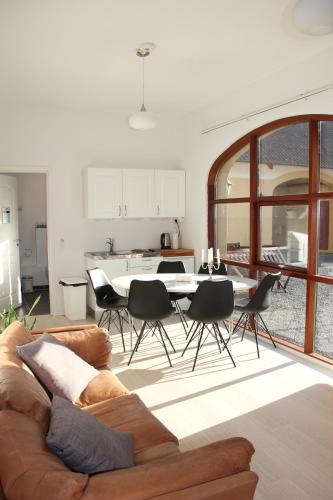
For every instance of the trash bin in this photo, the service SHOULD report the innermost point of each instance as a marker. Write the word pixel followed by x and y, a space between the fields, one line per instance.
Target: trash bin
pixel 27 284
pixel 75 297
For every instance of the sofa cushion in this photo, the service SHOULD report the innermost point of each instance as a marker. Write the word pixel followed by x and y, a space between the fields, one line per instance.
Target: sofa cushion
pixel 93 344
pixel 59 369
pixel 129 414
pixel 19 389
pixel 83 443
pixel 104 386
pixel 28 469
pixel 15 334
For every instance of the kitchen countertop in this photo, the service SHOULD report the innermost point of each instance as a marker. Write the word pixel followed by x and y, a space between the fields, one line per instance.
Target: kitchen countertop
pixel 130 254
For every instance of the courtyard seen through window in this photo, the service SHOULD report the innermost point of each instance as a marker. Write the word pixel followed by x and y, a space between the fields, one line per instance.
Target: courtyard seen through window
pixel 271 208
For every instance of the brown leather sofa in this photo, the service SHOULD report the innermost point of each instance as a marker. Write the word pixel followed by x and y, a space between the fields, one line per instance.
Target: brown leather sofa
pixel 29 471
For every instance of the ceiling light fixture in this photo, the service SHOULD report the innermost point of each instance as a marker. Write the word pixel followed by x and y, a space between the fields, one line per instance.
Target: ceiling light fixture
pixel 314 17
pixel 142 120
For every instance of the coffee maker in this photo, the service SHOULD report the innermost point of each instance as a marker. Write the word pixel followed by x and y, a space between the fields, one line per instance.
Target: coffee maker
pixel 165 240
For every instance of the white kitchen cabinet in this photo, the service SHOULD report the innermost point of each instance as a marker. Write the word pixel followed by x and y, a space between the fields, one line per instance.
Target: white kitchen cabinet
pixel 144 265
pixel 138 193
pixel 113 193
pixel 104 199
pixel 170 193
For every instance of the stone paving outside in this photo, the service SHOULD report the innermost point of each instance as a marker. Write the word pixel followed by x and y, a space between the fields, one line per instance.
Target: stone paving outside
pixel 285 318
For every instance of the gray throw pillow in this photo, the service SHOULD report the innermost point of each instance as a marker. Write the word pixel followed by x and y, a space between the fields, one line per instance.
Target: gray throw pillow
pixel 83 443
pixel 60 370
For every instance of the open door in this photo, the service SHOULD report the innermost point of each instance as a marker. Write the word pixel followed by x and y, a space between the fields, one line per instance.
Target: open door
pixel 10 283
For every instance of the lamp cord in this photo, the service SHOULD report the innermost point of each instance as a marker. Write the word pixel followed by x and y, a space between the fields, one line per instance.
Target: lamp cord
pixel 143 83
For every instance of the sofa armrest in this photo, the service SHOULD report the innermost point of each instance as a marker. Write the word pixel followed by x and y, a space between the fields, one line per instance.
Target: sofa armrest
pixel 174 473
pixel 69 328
pixel 91 344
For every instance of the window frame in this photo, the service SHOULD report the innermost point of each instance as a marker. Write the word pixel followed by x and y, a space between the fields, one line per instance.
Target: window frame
pixel 311 199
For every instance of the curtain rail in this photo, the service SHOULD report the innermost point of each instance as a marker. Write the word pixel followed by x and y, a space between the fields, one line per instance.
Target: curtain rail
pixel 280 104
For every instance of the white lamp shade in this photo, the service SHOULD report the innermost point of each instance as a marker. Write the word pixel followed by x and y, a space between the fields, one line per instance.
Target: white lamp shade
pixel 142 121
pixel 314 17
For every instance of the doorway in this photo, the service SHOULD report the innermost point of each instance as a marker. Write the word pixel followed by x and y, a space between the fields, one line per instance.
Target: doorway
pixel 32 241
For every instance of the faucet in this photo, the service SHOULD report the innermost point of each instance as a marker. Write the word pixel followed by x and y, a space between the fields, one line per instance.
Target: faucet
pixel 109 242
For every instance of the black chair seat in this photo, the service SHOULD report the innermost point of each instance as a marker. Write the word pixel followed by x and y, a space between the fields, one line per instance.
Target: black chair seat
pixel 178 268
pixel 250 309
pixel 115 303
pixel 150 302
pixel 212 302
pixel 108 300
pixel 177 296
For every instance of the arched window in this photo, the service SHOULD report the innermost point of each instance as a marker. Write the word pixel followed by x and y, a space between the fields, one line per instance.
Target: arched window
pixel 270 206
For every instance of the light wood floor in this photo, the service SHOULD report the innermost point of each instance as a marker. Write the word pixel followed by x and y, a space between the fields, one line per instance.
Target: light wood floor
pixel 281 402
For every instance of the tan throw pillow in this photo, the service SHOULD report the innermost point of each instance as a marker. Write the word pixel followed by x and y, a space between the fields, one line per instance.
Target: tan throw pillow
pixel 105 386
pixel 61 371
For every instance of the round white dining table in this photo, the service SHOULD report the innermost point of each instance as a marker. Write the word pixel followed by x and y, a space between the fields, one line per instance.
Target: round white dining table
pixel 181 283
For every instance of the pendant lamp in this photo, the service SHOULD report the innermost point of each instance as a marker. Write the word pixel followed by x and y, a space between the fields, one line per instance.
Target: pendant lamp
pixel 142 120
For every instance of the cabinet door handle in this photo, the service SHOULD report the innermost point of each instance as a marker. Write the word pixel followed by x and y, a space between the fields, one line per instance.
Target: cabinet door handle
pixel 119 210
pixel 158 210
pixel 147 268
pixel 127 266
pixel 125 209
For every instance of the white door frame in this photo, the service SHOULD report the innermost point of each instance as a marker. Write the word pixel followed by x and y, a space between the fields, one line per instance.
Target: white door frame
pixel 49 221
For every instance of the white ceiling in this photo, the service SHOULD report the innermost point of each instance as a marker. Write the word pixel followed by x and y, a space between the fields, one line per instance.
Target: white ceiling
pixel 80 54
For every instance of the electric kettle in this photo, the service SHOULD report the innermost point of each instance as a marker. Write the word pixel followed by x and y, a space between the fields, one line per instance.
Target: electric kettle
pixel 165 240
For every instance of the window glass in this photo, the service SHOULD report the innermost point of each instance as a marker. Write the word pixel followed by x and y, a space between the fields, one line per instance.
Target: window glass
pixel 285 319
pixel 284 234
pixel 233 180
pixel 325 237
pixel 232 225
pixel 326 156
pixel 283 161
pixel 323 339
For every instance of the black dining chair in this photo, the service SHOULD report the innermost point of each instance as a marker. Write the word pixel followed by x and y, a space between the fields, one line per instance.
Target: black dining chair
pixel 222 270
pixel 176 267
pixel 250 309
pixel 149 301
pixel 213 302
pixel 109 300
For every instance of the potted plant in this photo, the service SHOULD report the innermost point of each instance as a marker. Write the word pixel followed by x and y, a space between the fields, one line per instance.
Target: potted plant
pixel 7 317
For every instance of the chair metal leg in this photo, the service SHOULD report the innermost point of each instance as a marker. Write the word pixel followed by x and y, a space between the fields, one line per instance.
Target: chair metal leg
pixel 198 348
pixel 162 339
pixel 245 324
pixel 181 316
pixel 238 323
pixel 101 318
pixel 256 335
pixel 191 338
pixel 137 342
pixel 267 331
pixel 167 336
pixel 216 326
pixel 121 329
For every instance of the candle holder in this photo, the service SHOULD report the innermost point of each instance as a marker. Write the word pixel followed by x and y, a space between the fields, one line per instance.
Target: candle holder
pixel 210 265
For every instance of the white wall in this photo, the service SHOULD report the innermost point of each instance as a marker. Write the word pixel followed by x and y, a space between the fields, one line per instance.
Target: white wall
pixel 62 143
pixel 200 151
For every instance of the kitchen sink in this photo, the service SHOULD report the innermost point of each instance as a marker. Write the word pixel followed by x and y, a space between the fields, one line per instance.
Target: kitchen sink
pixel 126 254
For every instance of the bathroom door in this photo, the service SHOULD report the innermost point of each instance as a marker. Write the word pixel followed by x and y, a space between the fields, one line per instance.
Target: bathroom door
pixel 10 283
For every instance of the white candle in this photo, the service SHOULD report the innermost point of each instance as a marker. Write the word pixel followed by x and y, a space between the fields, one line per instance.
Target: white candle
pixel 210 255
pixel 218 255
pixel 202 256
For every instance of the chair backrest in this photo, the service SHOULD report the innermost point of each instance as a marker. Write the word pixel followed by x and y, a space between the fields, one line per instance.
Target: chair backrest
pixel 262 298
pixel 149 300
pixel 221 270
pixel 167 266
pixel 102 287
pixel 212 302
